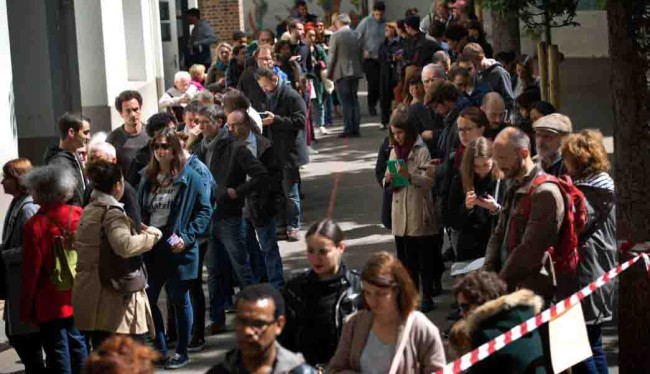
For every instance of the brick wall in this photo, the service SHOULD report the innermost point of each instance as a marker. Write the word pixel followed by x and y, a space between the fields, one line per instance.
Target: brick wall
pixel 225 16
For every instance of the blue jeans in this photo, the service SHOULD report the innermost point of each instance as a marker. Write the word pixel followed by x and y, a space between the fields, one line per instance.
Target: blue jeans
pixel 347 89
pixel 289 214
pixel 229 232
pixel 264 253
pixel 180 297
pixel 219 278
pixel 328 109
pixel 597 364
pixel 64 346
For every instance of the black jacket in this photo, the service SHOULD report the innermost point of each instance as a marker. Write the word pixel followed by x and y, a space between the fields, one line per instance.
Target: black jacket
pixel 474 225
pixel 261 204
pixel 231 163
pixel 287 132
pixel 57 156
pixel 139 162
pixel 249 86
pixel 420 50
pixel 316 310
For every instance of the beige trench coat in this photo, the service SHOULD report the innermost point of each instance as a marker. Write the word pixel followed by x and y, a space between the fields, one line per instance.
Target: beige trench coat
pixel 97 308
pixel 413 212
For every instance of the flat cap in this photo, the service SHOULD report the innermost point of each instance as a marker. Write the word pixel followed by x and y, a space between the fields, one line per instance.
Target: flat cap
pixel 556 122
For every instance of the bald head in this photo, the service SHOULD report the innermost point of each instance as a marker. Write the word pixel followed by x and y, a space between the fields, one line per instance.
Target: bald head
pixel 494 108
pixel 512 152
pixel 239 124
pixel 513 137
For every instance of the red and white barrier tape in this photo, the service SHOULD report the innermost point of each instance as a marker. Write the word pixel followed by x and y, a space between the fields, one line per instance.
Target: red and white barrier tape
pixel 489 348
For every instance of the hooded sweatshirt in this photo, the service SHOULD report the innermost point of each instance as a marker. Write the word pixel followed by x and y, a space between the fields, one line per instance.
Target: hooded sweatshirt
pixel 498 79
pixel 57 156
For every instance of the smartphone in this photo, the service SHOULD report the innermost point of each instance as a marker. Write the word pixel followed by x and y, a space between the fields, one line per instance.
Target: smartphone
pixel 484 196
pixel 263 115
pixel 173 239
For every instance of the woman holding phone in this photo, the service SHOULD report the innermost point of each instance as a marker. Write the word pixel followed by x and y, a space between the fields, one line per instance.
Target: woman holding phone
pixel 477 194
pixel 414 221
pixel 174 201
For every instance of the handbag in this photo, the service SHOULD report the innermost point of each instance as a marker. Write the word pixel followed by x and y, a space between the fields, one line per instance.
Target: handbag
pixel 122 275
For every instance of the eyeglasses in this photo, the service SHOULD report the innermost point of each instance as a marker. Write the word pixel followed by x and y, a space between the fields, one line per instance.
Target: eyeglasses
pixel 157 146
pixel 466 129
pixel 257 325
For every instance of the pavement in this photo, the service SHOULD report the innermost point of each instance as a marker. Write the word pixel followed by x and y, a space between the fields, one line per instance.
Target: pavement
pixel 340 183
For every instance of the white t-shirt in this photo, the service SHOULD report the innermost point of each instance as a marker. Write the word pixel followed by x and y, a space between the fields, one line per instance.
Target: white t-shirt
pixel 161 201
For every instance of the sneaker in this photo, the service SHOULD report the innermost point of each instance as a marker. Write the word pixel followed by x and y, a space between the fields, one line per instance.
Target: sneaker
pixel 311 150
pixel 293 235
pixel 383 126
pixel 176 361
pixel 324 130
pixel 196 345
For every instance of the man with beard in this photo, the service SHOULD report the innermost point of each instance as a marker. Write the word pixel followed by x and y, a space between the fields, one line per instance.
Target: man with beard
pixel 549 131
pixel 259 321
pixel 518 248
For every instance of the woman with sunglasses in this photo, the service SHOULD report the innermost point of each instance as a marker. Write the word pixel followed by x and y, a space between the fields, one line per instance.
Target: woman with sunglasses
pixel 488 311
pixel 172 199
pixel 390 336
pixel 318 300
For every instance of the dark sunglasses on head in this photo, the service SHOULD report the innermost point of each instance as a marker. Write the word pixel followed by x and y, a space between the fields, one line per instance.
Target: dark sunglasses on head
pixel 157 146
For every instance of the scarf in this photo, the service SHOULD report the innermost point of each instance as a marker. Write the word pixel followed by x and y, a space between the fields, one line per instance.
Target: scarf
pixel 402 151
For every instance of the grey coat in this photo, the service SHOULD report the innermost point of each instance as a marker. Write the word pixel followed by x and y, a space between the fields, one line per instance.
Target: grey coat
pixel 598 254
pixel 22 209
pixel 345 55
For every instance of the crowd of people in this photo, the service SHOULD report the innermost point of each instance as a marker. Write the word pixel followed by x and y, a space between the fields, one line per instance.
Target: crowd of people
pixel 212 181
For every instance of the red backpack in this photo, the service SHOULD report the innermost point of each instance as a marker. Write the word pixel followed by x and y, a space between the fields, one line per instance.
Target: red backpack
pixel 564 253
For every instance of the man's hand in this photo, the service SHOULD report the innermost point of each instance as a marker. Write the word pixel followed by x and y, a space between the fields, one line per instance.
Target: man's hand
pixel 388 179
pixel 427 135
pixel 185 99
pixel 232 194
pixel 268 120
pixel 179 246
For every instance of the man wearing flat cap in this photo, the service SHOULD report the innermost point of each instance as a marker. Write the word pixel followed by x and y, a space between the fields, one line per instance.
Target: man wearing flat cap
pixel 419 49
pixel 549 132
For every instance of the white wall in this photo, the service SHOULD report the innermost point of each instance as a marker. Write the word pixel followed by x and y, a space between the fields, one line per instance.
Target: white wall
pixel 118 47
pixel 590 39
pixel 8 131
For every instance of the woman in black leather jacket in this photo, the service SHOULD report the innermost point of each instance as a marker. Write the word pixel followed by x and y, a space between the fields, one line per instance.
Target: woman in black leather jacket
pixel 319 299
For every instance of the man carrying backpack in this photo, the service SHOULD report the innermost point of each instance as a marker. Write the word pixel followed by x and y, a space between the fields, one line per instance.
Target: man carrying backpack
pixel 518 248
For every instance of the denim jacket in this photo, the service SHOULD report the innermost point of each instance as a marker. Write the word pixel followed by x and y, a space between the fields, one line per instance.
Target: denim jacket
pixel 189 219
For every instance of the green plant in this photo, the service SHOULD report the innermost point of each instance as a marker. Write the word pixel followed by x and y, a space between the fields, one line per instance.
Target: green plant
pixel 538 15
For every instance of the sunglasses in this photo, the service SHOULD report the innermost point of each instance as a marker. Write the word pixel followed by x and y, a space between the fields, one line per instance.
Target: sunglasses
pixel 157 146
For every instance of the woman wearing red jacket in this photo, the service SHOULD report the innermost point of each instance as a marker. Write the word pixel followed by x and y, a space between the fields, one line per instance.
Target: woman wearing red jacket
pixel 41 302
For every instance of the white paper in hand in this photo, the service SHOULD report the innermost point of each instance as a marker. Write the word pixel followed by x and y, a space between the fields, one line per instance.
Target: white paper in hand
pixel 568 339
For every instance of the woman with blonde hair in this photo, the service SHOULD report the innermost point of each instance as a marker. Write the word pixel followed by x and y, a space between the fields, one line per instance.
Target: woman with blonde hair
pixel 390 335
pixel 476 197
pixel 586 161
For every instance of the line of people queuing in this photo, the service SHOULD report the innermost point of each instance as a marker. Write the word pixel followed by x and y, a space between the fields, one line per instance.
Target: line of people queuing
pixel 474 157
pixel 214 181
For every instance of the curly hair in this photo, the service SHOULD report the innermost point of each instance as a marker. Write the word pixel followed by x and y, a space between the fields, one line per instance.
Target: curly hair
pixel 385 270
pixel 585 153
pixel 480 287
pixel 121 355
